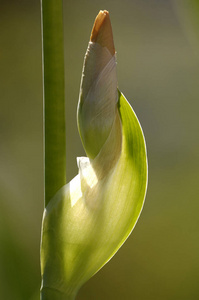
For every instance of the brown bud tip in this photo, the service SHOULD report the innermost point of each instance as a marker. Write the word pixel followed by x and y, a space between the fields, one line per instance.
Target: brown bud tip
pixel 102 31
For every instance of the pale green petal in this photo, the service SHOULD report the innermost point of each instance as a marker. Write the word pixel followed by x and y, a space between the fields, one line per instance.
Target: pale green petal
pixel 88 220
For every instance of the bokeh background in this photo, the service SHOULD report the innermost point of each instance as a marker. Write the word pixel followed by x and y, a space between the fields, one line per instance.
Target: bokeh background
pixel 157 44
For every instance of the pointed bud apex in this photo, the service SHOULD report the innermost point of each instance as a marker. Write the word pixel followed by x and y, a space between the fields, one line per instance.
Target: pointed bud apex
pixel 102 31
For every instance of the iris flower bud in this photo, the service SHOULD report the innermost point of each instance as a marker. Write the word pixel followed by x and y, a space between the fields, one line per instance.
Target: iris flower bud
pixel 98 98
pixel 89 218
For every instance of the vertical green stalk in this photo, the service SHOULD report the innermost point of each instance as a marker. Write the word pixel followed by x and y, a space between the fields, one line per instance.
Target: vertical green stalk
pixel 54 102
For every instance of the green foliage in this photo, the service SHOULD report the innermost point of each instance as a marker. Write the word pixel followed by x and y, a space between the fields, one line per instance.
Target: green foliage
pixel 89 219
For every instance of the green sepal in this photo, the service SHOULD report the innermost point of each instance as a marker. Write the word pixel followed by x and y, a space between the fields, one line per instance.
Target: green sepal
pixel 86 223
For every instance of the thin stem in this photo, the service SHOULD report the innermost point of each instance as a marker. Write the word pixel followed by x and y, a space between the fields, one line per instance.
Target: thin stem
pixel 54 98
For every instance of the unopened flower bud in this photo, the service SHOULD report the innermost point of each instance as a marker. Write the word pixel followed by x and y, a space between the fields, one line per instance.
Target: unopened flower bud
pixel 89 218
pixel 97 106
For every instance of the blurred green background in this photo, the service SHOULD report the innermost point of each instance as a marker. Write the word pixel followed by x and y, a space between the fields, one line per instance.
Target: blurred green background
pixel 157 44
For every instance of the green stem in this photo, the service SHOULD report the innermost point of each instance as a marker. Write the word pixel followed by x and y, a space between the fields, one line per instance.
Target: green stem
pixel 54 98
